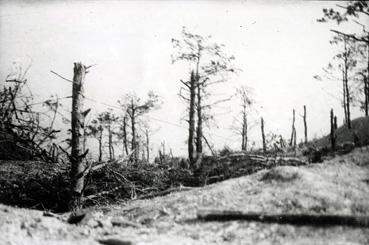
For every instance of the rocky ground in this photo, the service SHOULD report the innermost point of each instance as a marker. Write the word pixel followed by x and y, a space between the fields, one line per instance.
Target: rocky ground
pixel 336 186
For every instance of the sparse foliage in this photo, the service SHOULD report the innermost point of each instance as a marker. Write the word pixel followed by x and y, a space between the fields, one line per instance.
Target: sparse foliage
pixel 209 65
pixel 134 108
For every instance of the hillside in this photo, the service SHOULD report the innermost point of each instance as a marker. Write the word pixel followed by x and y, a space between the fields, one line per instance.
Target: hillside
pixel 360 128
pixel 336 186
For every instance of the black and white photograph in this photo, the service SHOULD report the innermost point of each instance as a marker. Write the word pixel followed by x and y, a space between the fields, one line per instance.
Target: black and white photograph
pixel 180 122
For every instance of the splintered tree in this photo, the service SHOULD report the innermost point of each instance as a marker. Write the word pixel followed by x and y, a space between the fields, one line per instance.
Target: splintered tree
pixel 263 135
pixel 32 132
pixel 333 130
pixel 77 124
pixel 135 108
pixel 305 126
pixel 293 131
pixel 209 65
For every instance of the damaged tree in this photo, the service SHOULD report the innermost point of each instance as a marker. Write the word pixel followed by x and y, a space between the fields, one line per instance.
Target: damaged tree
pixel 23 134
pixel 243 128
pixel 77 123
pixel 293 131
pixel 124 134
pixel 305 126
pixel 209 65
pixel 333 130
pixel 135 108
pixel 190 86
pixel 263 135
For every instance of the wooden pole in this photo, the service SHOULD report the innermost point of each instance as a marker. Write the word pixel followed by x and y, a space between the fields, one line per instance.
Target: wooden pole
pixel 77 168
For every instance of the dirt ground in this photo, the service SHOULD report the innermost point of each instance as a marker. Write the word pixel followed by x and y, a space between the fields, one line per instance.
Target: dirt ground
pixel 337 186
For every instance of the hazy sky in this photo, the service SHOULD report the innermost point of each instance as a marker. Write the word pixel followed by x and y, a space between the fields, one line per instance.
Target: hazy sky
pixel 278 45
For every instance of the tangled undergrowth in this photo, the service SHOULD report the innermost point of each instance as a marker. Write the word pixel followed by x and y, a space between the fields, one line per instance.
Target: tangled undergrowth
pixel 42 185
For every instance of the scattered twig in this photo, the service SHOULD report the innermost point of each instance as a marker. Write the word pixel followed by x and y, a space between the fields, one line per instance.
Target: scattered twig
pixel 66 79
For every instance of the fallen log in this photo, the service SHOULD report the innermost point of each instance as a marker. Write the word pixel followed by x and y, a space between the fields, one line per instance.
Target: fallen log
pixel 295 219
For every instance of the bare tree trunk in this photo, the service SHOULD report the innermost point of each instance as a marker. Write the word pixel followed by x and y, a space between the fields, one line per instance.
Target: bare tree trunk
pixel 133 129
pixel 367 83
pixel 263 135
pixel 305 125
pixel 244 130
pixel 100 146
pixel 125 141
pixel 77 177
pixel 347 90
pixel 199 119
pixel 366 94
pixel 84 140
pixel 348 104
pixel 366 86
pixel 246 134
pixel 191 120
pixel 293 133
pixel 147 146
pixel 344 96
pixel 332 134
pixel 110 143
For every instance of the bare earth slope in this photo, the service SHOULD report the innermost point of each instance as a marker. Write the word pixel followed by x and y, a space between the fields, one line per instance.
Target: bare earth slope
pixel 337 186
